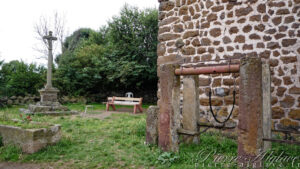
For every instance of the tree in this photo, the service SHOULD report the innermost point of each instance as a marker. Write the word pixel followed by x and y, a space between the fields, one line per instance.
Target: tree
pixel 19 78
pixel 1 62
pixel 2 82
pixel 56 24
pixel 118 57
pixel 75 41
pixel 82 67
pixel 84 72
pixel 133 38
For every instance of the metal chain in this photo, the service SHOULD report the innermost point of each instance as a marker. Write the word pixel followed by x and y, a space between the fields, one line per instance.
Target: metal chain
pixel 203 131
pixel 210 105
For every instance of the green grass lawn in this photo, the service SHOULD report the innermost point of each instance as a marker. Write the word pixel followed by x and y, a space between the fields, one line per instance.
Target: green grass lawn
pixel 118 142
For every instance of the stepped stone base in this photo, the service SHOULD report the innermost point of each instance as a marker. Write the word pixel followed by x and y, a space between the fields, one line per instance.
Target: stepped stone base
pixel 48 105
pixel 48 109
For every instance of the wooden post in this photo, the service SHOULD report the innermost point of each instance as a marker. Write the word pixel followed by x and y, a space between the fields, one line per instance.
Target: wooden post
pixel 190 108
pixel 134 109
pixel 267 116
pixel 169 108
pixel 250 132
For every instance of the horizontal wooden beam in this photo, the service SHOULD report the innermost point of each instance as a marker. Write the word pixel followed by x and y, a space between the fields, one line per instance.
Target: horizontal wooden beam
pixel 286 131
pixel 282 141
pixel 208 70
pixel 187 132
pixel 215 126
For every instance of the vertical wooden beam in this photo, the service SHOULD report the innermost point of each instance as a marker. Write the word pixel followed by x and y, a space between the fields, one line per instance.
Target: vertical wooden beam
pixel 190 108
pixel 267 116
pixel 169 108
pixel 250 131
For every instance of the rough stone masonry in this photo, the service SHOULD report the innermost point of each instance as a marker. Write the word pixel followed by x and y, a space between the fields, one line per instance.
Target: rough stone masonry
pixel 217 29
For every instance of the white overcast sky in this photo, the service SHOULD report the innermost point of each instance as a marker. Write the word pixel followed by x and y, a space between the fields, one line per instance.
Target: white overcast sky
pixel 17 19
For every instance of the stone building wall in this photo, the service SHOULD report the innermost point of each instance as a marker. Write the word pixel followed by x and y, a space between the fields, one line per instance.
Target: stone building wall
pixel 210 30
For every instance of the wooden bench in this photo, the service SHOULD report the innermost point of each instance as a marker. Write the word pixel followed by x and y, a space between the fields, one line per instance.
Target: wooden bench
pixel 136 102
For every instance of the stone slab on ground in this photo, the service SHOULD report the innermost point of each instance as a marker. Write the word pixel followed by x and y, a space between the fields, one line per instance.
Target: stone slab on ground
pixel 30 140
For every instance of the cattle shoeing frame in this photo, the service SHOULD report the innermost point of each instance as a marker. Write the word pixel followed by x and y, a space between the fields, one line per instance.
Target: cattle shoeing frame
pixel 176 118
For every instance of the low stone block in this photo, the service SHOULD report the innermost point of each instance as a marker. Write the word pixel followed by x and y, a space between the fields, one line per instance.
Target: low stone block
pixel 30 140
pixel 49 95
pixel 151 128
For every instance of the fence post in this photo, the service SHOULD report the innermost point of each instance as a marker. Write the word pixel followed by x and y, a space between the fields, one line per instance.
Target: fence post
pixel 250 131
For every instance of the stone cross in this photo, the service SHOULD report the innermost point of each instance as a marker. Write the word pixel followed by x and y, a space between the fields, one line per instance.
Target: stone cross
pixel 49 39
